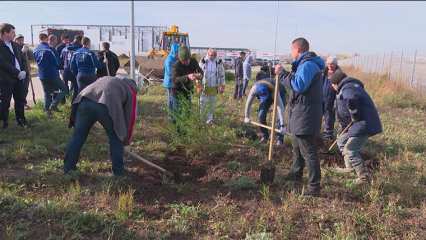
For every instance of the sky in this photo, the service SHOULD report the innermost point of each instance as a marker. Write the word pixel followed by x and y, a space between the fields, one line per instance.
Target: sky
pixel 330 27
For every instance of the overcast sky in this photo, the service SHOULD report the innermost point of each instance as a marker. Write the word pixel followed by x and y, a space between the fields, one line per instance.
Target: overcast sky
pixel 331 27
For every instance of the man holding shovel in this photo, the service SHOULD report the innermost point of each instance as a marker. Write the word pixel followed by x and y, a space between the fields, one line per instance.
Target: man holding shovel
pixel 355 109
pixel 305 112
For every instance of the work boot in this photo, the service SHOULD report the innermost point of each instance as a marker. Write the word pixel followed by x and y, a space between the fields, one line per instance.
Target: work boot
pixel 363 175
pixel 293 177
pixel 312 192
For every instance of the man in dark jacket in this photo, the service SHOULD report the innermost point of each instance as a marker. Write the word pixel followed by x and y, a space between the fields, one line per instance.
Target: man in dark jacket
pixel 65 63
pixel 111 101
pixel 305 112
pixel 111 60
pixel 48 72
pixel 266 71
pixel 185 72
pixel 239 75
pixel 329 97
pixel 12 76
pixel 354 106
pixel 65 40
pixel 84 64
pixel 27 56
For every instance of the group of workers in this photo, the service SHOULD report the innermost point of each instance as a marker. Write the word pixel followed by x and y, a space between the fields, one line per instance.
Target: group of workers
pixel 317 93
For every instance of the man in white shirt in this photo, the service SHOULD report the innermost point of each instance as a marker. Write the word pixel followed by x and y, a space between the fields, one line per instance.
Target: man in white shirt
pixel 12 76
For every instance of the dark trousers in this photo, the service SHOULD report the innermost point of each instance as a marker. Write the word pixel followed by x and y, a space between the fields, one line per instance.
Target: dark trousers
pixel 84 80
pixel 69 77
pixel 17 91
pixel 238 91
pixel 329 117
pixel 305 150
pixel 262 114
pixel 88 113
pixel 26 89
pixel 54 91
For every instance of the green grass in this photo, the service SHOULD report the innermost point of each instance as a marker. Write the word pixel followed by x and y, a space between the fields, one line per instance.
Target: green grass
pixel 38 202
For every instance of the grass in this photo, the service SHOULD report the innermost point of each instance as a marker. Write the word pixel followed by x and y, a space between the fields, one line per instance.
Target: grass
pixel 225 202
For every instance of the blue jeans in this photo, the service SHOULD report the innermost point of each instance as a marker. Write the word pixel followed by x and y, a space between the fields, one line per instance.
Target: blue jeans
pixel 262 113
pixel 171 103
pixel 88 113
pixel 350 147
pixel 49 87
pixel 84 80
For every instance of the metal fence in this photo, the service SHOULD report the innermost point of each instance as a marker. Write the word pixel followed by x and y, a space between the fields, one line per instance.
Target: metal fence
pixel 408 67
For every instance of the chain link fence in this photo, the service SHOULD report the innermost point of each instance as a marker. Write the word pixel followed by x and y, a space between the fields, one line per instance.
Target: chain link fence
pixel 408 67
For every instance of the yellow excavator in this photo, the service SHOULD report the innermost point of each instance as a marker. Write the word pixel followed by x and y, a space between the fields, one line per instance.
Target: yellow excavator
pixel 151 63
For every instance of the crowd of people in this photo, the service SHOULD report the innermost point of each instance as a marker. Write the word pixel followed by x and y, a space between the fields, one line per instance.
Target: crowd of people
pixel 314 92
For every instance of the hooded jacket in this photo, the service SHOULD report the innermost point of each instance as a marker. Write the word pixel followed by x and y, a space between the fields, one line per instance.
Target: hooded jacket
pixel 214 73
pixel 118 94
pixel 354 104
pixel 247 67
pixel 305 104
pixel 168 65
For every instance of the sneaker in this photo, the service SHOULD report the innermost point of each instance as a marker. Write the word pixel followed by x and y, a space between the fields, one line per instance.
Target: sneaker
pixel 343 170
pixel 280 142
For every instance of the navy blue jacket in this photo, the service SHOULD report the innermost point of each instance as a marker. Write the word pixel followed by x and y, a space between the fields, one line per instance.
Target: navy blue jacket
pixel 305 101
pixel 85 62
pixel 66 55
pixel 47 62
pixel 354 104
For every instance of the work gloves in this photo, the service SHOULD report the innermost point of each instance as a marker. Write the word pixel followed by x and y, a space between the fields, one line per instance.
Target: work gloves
pixel 246 120
pixel 22 75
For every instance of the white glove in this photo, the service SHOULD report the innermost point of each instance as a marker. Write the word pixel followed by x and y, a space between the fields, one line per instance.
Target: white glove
pixel 22 75
pixel 246 120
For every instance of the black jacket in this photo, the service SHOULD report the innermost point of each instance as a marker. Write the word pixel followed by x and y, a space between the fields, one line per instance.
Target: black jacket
pixel 8 71
pixel 113 64
pixel 180 73
pixel 354 104
pixel 239 71
pixel 305 109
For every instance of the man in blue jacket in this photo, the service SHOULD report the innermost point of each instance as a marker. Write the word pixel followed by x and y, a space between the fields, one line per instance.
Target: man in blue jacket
pixel 84 64
pixel 305 112
pixel 65 56
pixel 354 106
pixel 263 90
pixel 167 82
pixel 48 72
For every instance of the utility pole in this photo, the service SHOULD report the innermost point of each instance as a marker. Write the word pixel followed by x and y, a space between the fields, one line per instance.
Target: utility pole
pixel 132 40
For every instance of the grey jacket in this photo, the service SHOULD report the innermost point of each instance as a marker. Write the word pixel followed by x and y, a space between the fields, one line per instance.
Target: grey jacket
pixel 118 94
